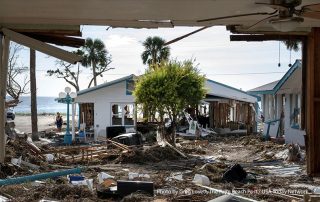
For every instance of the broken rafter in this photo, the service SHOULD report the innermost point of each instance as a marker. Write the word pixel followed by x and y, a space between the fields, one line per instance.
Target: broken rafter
pixel 262 37
pixel 59 40
pixel 50 32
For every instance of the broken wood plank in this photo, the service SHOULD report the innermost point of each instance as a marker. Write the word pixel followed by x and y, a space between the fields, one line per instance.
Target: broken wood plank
pixel 117 144
pixel 175 149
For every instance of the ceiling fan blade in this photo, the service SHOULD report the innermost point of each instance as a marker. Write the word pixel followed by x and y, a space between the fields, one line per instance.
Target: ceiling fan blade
pixel 274 6
pixel 310 7
pixel 310 11
pixel 312 14
pixel 235 16
pixel 184 36
pixel 261 21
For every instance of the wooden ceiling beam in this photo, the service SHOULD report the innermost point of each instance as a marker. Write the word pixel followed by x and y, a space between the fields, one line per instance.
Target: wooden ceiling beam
pixel 58 39
pixel 263 37
pixel 50 32
pixel 41 46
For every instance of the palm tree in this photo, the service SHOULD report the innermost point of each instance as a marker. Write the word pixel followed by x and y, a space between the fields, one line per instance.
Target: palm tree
pixel 155 51
pixel 94 54
pixel 292 45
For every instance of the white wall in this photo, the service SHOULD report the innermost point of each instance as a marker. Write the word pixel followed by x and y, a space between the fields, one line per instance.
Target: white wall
pixel 292 135
pixel 102 99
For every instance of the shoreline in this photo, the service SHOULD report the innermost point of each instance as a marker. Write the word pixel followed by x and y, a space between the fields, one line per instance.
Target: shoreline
pixel 46 122
pixel 39 114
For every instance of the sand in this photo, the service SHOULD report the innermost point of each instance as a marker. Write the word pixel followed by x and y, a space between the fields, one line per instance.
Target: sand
pixel 45 123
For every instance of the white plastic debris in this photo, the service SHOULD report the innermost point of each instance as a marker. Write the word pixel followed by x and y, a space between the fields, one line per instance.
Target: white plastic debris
pixel 37 183
pixel 49 157
pixel 316 190
pixel 201 180
pixel 86 182
pixel 16 161
pixel 102 176
pixel 132 175
pixel 175 176
pixel 114 188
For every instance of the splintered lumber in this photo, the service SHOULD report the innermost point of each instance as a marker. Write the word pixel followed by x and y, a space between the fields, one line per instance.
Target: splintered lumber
pixel 87 150
pixel 117 144
pixel 69 149
pixel 175 149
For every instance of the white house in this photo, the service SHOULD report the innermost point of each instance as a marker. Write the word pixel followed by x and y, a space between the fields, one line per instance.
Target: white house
pixel 108 104
pixel 112 104
pixel 281 105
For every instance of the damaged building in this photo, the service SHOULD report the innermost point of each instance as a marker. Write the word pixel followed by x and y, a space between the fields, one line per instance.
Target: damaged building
pixel 281 106
pixel 112 104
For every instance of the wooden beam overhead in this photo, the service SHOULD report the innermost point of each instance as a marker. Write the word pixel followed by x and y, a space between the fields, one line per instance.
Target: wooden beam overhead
pixel 41 46
pixel 58 39
pixel 50 32
pixel 262 37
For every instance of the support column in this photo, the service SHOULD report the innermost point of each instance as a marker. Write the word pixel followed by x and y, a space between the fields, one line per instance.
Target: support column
pixel 312 99
pixel 4 57
pixel 33 90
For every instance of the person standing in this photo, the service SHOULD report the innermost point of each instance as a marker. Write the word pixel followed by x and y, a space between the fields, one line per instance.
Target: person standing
pixel 59 122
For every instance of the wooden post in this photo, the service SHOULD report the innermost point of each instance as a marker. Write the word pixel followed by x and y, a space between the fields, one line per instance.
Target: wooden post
pixel 211 115
pixel 4 57
pixel 312 96
pixel 33 90
pixel 304 76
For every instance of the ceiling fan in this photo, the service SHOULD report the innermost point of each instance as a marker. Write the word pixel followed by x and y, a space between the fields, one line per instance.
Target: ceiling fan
pixel 284 17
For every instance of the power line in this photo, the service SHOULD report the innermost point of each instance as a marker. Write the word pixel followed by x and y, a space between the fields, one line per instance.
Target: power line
pixel 247 73
pixel 224 74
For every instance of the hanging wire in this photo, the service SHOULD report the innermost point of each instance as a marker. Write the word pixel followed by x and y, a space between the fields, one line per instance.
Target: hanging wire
pixel 290 58
pixel 279 64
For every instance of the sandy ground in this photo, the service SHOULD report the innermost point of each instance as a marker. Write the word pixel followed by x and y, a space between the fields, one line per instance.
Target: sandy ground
pixel 45 123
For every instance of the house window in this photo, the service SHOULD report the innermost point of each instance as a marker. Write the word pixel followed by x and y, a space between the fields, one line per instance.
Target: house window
pixel 122 114
pixel 128 114
pixel 129 87
pixel 116 114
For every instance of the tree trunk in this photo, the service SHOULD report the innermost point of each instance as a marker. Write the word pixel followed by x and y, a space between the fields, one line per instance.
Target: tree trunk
pixel 173 135
pixel 33 89
pixel 94 73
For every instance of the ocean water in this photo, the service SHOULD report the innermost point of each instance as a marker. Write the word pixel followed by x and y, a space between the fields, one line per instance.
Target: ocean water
pixel 44 105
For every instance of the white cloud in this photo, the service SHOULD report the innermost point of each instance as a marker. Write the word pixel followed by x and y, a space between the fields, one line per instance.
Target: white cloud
pixel 116 41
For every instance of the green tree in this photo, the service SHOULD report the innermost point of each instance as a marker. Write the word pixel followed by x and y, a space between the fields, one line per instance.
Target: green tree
pixel 168 90
pixel 95 55
pixel 155 51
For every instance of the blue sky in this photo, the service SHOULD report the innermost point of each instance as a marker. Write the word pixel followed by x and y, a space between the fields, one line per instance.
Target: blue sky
pixel 232 63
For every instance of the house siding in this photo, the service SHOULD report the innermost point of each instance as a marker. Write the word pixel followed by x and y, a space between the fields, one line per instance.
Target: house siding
pixel 102 99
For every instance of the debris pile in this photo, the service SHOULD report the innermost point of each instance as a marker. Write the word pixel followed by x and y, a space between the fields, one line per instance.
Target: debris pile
pixel 184 173
pixel 152 154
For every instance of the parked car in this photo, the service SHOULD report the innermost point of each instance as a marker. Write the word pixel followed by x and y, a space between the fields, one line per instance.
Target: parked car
pixel 10 114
